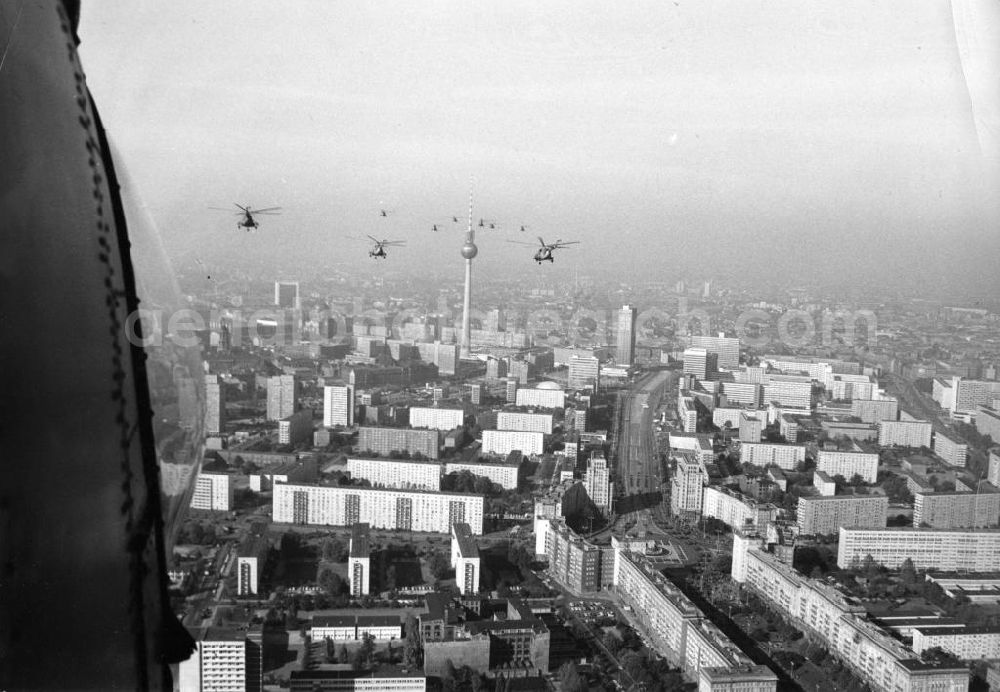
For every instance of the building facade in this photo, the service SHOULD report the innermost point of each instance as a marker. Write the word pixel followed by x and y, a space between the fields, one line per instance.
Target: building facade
pixel 338 406
pixel 397 473
pixel 404 510
pixel 820 515
pixel 787 457
pixel 847 464
pixel 941 549
pixel 506 441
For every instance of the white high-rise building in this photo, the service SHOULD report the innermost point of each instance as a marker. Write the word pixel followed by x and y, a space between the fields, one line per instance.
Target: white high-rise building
pixel 436 418
pixel 820 515
pixel 282 395
pixel 787 457
pixel 506 441
pixel 465 559
pixel 625 336
pixel 584 373
pixel 224 661
pixel 686 485
pixel 397 473
pixel 727 349
pixel 359 560
pixel 847 464
pixel 941 549
pixel 993 472
pixel 951 450
pixel 338 406
pixel 533 422
pixel 404 510
pixel 215 405
pixel 904 433
pixel 597 481
pixel 213 491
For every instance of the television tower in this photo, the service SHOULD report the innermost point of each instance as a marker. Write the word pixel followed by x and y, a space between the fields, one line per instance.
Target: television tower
pixel 469 250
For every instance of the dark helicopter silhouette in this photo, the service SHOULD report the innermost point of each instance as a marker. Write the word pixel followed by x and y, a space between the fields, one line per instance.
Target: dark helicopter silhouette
pixel 378 252
pixel 544 253
pixel 247 212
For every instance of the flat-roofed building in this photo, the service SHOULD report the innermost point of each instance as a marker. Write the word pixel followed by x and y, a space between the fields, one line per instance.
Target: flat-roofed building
pixel 356 681
pixel 699 445
pixel 967 644
pixel 751 427
pixel 735 509
pixel 404 510
pixel 687 485
pixel 904 433
pixel 436 418
pixel 506 441
pixel 465 559
pixel 974 550
pixel 251 557
pixel 359 560
pixel 574 562
pixel 505 473
pixel 677 628
pixel 397 473
pixel 993 469
pixel 820 515
pixel 847 464
pixel 953 451
pixel 726 349
pixel 875 410
pixel 822 612
pixel 597 481
pixel 747 393
pixel 386 440
pixel 296 428
pixel 338 405
pixel 544 395
pixel 213 491
pixel 584 373
pixel 959 509
pixel 531 422
pixel 789 391
pixel 223 660
pixel 787 457
pixel 826 486
pixel 348 628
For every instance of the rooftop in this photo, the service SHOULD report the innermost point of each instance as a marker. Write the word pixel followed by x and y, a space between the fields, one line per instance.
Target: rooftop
pixel 360 543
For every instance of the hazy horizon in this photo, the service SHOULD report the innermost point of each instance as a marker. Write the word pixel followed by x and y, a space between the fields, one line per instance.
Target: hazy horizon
pixel 805 140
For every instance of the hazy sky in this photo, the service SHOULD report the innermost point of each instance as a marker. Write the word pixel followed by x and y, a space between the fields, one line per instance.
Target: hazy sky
pixel 771 136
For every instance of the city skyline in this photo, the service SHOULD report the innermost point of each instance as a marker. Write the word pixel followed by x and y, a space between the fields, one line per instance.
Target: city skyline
pixel 812 142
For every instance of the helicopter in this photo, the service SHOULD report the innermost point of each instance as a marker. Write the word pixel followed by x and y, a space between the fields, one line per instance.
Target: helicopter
pixel 438 226
pixel 486 223
pixel 248 221
pixel 380 245
pixel 545 251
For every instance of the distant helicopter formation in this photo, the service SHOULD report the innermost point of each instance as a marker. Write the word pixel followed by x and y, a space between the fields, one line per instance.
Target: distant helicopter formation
pixel 543 252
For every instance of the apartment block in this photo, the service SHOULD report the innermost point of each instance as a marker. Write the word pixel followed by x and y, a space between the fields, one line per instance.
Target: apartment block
pixel 847 464
pixel 541 397
pixel 531 422
pixel 404 510
pixel 213 491
pixel 958 510
pixel 953 451
pixel 687 484
pixel 505 441
pixel 397 473
pixel 436 418
pixel 965 643
pixel 735 509
pixel 787 457
pixel 359 560
pixel 940 549
pixel 875 410
pixel 819 515
pixel 881 661
pixel 904 433
pixel 503 473
pixel 465 559
pixel 383 441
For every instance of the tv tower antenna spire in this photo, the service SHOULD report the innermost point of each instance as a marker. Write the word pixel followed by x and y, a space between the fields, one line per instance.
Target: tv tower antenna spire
pixel 469 251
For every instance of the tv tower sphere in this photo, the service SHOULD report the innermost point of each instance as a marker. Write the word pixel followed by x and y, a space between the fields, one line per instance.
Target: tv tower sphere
pixel 469 250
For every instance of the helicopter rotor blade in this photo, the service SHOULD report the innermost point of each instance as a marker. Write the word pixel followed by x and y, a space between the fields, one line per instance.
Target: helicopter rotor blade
pixel 269 210
pixel 541 241
pixel 372 237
